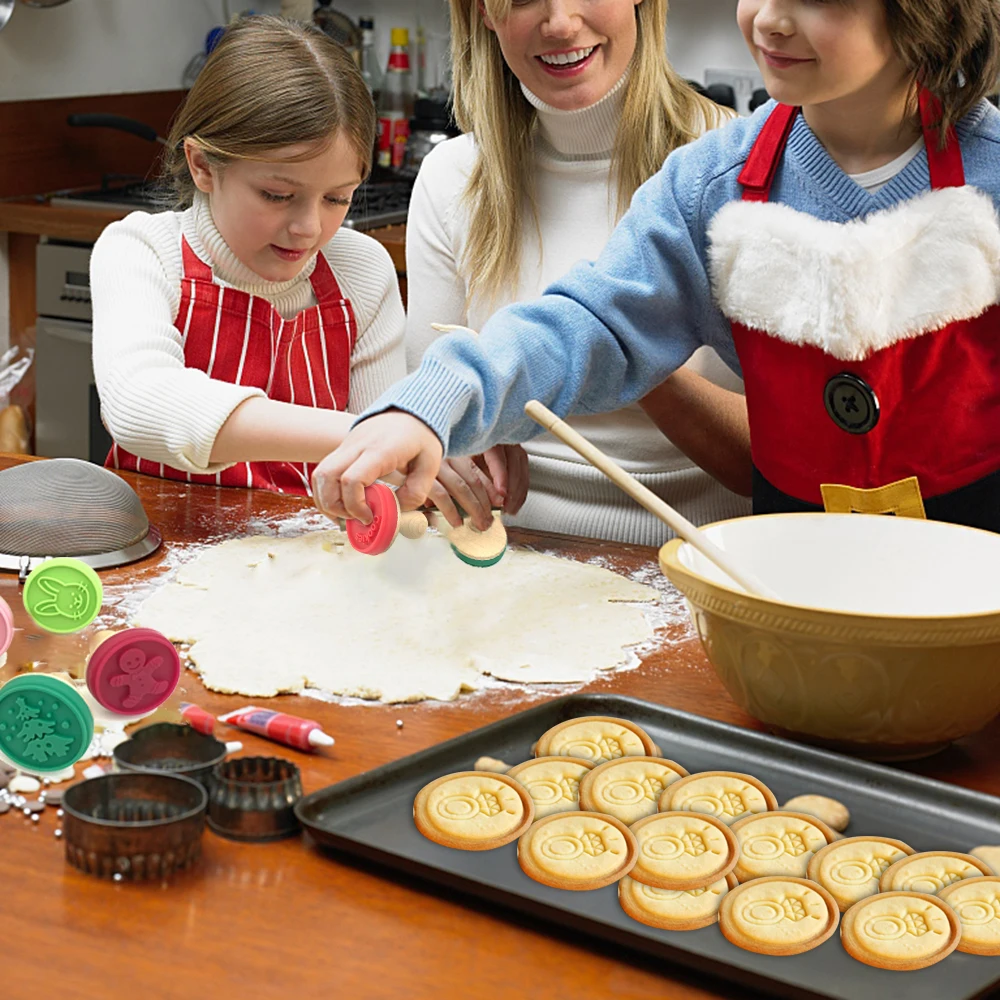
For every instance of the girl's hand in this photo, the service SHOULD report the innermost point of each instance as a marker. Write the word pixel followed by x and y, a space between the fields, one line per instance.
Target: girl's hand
pixel 378 446
pixel 507 465
pixel 462 481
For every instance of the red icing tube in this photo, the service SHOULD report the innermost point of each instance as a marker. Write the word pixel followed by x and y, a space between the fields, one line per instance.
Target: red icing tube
pixel 302 734
pixel 197 718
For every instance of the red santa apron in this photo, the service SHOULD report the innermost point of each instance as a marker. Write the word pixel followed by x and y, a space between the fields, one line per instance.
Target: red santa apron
pixel 870 350
pixel 241 338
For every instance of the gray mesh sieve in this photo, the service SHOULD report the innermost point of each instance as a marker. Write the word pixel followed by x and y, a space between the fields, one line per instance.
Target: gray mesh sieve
pixel 68 507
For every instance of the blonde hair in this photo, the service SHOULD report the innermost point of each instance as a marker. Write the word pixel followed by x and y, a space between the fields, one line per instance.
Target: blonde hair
pixel 270 83
pixel 660 113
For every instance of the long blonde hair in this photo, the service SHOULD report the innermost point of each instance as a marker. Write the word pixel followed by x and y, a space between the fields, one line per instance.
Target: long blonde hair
pixel 270 83
pixel 660 113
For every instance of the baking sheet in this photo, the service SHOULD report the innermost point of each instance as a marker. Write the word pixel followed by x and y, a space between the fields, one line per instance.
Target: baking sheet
pixel 371 816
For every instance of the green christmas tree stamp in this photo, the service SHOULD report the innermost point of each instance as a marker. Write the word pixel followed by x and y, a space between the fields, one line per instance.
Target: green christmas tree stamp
pixel 44 724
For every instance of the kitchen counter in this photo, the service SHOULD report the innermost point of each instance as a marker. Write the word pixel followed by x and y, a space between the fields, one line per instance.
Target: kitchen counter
pixel 286 920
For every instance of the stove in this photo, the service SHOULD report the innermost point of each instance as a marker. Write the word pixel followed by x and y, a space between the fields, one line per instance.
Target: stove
pixel 376 203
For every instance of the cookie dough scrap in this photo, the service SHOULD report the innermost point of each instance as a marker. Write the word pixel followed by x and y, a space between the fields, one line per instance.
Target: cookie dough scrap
pixel 778 843
pixel 579 851
pixel 266 615
pixel 851 868
pixel 901 931
pixel 727 795
pixel 976 901
pixel 473 810
pixel 628 788
pixel 835 814
pixel 596 738
pixel 673 909
pixel 552 782
pixel 778 916
pixel 682 850
pixel 931 871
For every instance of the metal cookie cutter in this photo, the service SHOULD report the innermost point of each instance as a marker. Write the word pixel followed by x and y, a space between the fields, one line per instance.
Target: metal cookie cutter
pixel 169 748
pixel 253 798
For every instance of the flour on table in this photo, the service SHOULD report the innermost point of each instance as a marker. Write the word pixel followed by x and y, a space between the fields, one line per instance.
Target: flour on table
pixel 266 615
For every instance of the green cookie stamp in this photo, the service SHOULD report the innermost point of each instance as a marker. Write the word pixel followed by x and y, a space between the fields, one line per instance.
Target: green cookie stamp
pixel 63 595
pixel 44 724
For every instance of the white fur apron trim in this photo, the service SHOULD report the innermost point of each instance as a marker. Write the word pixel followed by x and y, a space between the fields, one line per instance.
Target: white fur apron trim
pixel 854 288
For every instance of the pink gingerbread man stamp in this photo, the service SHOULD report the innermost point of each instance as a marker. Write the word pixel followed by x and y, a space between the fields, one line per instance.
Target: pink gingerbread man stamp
pixel 134 671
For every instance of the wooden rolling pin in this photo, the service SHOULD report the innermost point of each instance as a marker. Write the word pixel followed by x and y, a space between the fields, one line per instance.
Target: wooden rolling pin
pixel 679 524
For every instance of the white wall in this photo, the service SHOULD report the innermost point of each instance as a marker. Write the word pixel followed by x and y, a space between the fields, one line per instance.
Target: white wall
pixel 702 34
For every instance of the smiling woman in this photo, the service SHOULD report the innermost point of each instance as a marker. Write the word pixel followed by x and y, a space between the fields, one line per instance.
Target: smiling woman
pixel 233 336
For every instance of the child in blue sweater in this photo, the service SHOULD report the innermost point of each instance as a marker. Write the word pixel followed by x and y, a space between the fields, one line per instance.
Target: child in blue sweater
pixel 840 249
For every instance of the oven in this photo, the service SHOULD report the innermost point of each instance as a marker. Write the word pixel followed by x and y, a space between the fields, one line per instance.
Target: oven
pixel 67 408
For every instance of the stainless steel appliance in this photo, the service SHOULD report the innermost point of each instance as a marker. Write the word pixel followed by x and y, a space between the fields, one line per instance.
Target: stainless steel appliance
pixel 67 408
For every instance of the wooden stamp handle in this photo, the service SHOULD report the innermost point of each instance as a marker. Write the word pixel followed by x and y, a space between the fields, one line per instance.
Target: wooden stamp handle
pixel 680 525
pixel 412 524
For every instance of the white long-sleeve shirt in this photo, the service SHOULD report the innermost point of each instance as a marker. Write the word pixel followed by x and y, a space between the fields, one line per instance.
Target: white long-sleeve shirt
pixel 577 212
pixel 159 409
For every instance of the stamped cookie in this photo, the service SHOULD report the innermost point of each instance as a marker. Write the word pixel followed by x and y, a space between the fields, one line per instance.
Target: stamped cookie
pixel 835 814
pixel 850 869
pixel 902 931
pixel 552 782
pixel 988 855
pixel 673 909
pixel 778 844
pixel 778 916
pixel 628 788
pixel 726 795
pixel 473 810
pixel 580 850
pixel 976 901
pixel 596 738
pixel 931 871
pixel 682 850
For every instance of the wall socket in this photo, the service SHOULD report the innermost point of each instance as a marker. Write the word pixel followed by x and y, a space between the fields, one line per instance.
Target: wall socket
pixel 743 81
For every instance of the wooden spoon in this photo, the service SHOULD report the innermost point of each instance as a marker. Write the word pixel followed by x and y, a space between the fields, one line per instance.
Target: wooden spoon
pixel 679 524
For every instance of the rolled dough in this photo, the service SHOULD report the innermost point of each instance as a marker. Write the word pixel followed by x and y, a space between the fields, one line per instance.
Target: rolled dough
pixel 268 615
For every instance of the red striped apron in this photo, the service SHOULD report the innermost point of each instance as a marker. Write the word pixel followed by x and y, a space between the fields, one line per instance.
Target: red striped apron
pixel 240 338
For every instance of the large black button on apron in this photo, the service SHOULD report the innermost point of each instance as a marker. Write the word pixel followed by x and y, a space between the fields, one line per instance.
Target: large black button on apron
pixel 851 403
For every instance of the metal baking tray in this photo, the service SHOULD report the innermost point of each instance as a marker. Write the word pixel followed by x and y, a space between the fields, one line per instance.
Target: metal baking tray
pixel 371 816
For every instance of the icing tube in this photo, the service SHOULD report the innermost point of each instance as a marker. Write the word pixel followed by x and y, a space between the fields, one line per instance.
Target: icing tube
pixel 302 734
pixel 197 718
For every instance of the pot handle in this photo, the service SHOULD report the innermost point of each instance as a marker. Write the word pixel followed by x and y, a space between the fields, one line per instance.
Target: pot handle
pixel 119 122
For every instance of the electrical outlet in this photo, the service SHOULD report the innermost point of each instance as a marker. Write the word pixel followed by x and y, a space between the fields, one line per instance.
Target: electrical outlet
pixel 743 81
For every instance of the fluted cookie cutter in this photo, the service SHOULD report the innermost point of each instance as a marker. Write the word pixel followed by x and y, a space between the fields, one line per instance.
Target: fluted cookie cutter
pixel 169 748
pixel 134 826
pixel 253 799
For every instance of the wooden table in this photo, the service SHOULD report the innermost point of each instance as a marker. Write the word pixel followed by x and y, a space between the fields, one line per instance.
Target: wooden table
pixel 284 920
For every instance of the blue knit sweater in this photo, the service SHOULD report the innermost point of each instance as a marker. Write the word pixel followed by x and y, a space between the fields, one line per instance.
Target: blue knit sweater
pixel 611 330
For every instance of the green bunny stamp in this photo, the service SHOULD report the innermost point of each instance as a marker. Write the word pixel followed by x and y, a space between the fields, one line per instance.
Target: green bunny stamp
pixel 63 595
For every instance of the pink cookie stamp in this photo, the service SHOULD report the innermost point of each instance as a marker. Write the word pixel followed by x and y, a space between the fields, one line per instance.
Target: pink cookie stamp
pixel 6 626
pixel 387 522
pixel 133 671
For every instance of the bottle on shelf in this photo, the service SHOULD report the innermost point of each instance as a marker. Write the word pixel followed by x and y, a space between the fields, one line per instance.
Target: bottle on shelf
pixel 395 105
pixel 369 60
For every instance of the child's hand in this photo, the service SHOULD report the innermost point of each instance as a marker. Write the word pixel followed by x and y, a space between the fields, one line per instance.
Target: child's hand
pixel 378 446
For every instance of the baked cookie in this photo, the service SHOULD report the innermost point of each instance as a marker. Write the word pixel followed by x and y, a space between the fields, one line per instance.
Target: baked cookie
pixel 727 795
pixel 552 782
pixel 682 850
pixel 778 844
pixel 628 788
pixel 989 855
pixel 778 916
pixel 579 850
pixel 673 909
pixel 596 738
pixel 835 814
pixel 901 931
pixel 850 869
pixel 976 901
pixel 473 810
pixel 931 871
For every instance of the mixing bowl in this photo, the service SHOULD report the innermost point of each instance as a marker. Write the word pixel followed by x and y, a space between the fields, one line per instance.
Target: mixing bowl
pixel 886 642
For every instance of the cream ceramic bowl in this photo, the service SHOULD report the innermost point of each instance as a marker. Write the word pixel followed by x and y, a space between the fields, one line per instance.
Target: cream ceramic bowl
pixel 886 642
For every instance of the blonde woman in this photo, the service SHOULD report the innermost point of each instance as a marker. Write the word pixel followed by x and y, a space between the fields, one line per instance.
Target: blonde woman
pixel 568 106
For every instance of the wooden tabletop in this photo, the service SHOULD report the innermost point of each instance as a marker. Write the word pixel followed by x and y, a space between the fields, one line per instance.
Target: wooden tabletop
pixel 286 920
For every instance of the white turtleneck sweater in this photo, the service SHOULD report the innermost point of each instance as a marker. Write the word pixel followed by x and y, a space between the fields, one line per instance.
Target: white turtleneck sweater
pixel 156 407
pixel 577 212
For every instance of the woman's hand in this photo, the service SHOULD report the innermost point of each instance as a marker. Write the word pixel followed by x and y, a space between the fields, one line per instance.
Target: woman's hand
pixel 461 481
pixel 507 465
pixel 383 444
